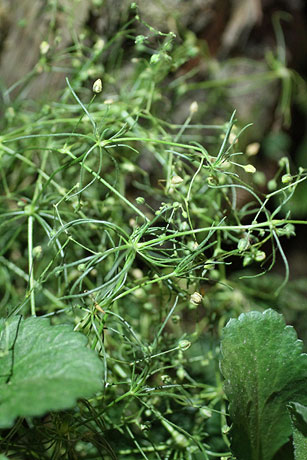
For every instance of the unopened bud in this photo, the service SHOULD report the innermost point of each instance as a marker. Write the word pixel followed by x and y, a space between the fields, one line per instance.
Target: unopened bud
pixel 250 169
pixel 243 244
pixel 37 251
pixel 286 179
pixel 252 149
pixel 283 162
pixel 176 180
pixel 232 138
pixel 97 86
pixel 272 185
pixel 196 298
pixel 260 256
pixel 193 107
pixel 137 273
pixel 44 48
pixel 99 44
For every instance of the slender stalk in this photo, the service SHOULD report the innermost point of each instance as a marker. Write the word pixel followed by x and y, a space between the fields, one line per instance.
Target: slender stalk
pixel 31 265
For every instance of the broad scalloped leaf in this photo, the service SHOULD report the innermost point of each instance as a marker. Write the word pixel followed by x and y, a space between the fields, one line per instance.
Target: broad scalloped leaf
pixel 264 369
pixel 43 368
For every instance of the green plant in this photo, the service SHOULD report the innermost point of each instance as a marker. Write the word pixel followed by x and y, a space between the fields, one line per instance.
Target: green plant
pixel 125 224
pixel 265 371
pixel 41 368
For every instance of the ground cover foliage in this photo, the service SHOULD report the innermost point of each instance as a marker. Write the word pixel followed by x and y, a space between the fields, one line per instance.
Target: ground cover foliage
pixel 145 235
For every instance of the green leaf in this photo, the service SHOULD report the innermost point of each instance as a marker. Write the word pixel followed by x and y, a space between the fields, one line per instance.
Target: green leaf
pixel 264 369
pixel 43 368
pixel 299 422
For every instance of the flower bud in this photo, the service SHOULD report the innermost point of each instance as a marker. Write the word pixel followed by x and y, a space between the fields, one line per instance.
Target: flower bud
pixel 272 185
pixel 250 169
pixel 243 244
pixel 176 180
pixel 193 107
pixel 97 86
pixel 44 47
pixel 196 298
pixel 252 149
pixel 260 256
pixel 37 252
pixel 286 179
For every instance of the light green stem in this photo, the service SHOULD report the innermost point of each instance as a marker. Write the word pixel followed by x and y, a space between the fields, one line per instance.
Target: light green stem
pixel 31 265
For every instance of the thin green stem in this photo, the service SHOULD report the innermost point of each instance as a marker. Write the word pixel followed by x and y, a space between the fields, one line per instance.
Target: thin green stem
pixel 110 187
pixel 238 228
pixel 31 264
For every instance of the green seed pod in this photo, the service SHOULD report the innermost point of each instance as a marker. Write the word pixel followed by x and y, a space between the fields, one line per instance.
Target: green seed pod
pixel 243 244
pixel 260 256
pixel 286 179
pixel 184 345
pixel 288 230
pixel 272 185
pixel 247 260
pixel 81 267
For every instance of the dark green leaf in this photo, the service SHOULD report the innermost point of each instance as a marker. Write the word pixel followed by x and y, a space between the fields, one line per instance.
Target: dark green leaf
pixel 43 368
pixel 264 369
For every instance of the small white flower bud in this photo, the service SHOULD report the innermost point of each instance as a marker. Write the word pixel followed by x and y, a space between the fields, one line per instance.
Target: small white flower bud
pixel 44 47
pixel 137 273
pixel 260 256
pixel 99 44
pixel 37 252
pixel 196 298
pixel 250 169
pixel 97 86
pixel 193 107
pixel 252 149
pixel 232 138
pixel 176 180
